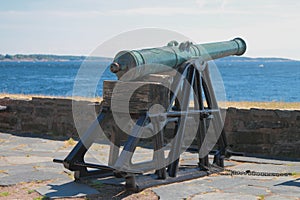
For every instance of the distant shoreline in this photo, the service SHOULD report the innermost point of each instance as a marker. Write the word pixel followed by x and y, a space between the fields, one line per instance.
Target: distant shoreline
pixel 48 58
pixel 68 58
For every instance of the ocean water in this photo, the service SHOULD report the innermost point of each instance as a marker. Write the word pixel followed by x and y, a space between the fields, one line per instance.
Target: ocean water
pixel 261 81
pixel 243 81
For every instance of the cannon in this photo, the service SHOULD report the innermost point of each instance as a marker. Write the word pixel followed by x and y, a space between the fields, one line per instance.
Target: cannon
pixel 173 55
pixel 158 86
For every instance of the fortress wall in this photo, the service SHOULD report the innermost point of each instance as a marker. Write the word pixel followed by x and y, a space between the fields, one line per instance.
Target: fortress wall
pixel 50 116
pixel 264 132
pixel 274 133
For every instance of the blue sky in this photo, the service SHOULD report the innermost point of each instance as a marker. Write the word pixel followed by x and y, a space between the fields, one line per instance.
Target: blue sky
pixel 270 27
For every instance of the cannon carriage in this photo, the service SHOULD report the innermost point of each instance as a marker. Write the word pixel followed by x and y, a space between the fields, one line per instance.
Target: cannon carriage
pixel 163 99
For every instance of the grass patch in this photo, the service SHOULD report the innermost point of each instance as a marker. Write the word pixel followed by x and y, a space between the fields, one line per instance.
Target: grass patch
pixel 261 197
pixel 30 191
pixel 39 181
pixel 296 174
pixel 4 194
pixel 69 174
pixel 41 198
pixel 70 142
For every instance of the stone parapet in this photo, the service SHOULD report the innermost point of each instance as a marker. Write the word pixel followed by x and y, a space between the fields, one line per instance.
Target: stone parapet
pixel 262 132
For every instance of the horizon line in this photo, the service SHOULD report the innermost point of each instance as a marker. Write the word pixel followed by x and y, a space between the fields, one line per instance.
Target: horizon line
pixel 82 55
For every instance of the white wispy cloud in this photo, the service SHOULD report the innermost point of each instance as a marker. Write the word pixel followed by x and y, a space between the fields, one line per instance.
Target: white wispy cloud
pixel 168 11
pixel 200 7
pixel 144 11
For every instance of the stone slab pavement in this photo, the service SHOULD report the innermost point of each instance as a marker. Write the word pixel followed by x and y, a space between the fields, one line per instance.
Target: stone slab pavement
pixel 26 159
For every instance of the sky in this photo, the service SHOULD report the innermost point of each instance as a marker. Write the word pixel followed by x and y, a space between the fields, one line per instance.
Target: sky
pixel 271 28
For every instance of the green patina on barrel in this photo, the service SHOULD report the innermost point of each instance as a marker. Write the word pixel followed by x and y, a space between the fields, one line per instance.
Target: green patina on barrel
pixel 174 55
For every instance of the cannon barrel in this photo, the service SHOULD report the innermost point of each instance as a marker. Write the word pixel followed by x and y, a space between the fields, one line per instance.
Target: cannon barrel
pixel 173 55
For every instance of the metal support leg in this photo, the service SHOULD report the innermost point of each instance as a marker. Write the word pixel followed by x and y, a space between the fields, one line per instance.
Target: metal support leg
pixel 217 120
pixel 130 183
pixel 114 147
pixel 177 145
pixel 203 161
pixel 124 160
pixel 158 156
pixel 78 152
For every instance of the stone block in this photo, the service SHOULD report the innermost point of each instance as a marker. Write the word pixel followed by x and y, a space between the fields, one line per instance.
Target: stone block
pixel 22 108
pixel 262 113
pixel 6 126
pixel 9 119
pixel 35 127
pixel 143 96
pixel 258 124
pixel 283 114
pixel 63 102
pixel 242 112
pixel 44 101
pixel 44 112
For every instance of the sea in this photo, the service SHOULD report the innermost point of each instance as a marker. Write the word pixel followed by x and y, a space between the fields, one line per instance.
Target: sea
pixel 259 80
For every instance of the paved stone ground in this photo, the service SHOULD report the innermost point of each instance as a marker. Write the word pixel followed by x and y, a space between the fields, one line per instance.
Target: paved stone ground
pixel 26 159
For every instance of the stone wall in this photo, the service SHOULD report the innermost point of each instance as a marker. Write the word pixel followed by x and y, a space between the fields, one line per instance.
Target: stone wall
pixel 273 133
pixel 49 116
pixel 261 132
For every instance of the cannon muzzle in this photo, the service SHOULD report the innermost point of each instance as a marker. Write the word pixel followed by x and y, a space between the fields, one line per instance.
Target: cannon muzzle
pixel 174 54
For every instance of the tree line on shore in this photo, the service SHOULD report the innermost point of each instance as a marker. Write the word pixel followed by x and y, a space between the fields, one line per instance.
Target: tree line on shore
pixel 45 57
